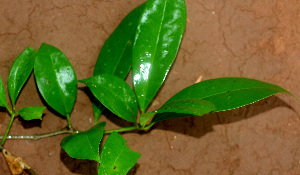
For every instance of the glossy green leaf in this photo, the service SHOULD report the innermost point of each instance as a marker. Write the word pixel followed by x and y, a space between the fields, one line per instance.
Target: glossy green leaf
pixel 116 53
pixel 116 157
pixel 226 93
pixel 84 145
pixel 3 102
pixel 30 113
pixel 19 73
pixel 115 94
pixel 156 44
pixel 56 79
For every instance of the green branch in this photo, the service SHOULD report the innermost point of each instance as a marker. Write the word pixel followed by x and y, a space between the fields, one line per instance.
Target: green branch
pixel 68 130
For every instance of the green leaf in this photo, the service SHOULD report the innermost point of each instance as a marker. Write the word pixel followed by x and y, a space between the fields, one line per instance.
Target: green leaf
pixel 3 102
pixel 84 145
pixel 30 113
pixel 116 53
pixel 156 44
pixel 116 157
pixel 20 72
pixel 56 79
pixel 225 93
pixel 98 108
pixel 115 94
pixel 144 118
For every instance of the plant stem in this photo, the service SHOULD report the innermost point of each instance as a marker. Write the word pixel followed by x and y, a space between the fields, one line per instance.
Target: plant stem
pixel 66 130
pixel 131 128
pixel 12 117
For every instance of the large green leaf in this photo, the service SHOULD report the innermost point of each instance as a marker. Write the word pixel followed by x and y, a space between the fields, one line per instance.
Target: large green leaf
pixel 56 79
pixel 30 113
pixel 19 73
pixel 116 157
pixel 115 94
pixel 116 53
pixel 84 145
pixel 225 93
pixel 156 44
pixel 3 102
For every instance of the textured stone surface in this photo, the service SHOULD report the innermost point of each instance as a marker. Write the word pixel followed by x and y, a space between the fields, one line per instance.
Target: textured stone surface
pixel 252 38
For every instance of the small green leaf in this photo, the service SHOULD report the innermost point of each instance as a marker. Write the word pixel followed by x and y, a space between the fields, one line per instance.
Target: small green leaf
pixel 157 40
pixel 145 117
pixel 84 145
pixel 224 94
pixel 56 79
pixel 19 73
pixel 98 108
pixel 3 102
pixel 30 113
pixel 116 157
pixel 115 94
pixel 116 53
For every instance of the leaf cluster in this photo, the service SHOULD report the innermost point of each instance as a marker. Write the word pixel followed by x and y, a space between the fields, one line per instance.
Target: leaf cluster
pixel 146 42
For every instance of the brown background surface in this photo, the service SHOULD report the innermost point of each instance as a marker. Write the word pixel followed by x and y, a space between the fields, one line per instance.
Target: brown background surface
pixel 251 38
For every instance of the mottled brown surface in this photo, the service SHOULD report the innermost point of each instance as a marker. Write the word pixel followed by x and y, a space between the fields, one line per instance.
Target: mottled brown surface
pixel 251 38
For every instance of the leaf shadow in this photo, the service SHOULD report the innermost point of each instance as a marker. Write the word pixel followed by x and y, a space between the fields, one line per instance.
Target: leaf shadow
pixel 30 123
pixel 79 166
pixel 199 126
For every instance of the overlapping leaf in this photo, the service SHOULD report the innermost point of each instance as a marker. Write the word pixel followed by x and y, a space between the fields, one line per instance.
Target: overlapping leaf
pixel 157 40
pixel 30 113
pixel 19 73
pixel 3 102
pixel 115 94
pixel 116 53
pixel 223 93
pixel 116 157
pixel 56 79
pixel 84 145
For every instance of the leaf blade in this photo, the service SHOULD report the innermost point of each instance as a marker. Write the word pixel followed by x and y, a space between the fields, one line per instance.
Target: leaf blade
pixel 116 157
pixel 56 79
pixel 84 145
pixel 156 44
pixel 30 113
pixel 20 72
pixel 115 94
pixel 227 93
pixel 3 101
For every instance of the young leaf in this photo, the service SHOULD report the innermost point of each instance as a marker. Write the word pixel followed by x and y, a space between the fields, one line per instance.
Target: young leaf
pixel 56 79
pixel 84 145
pixel 225 93
pixel 156 44
pixel 19 73
pixel 145 117
pixel 3 102
pixel 116 53
pixel 30 113
pixel 115 94
pixel 98 108
pixel 116 157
